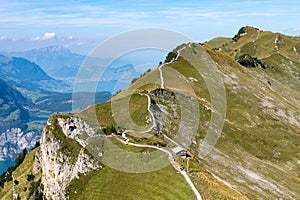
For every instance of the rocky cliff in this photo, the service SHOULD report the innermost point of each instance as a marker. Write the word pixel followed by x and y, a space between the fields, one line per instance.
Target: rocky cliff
pixel 63 156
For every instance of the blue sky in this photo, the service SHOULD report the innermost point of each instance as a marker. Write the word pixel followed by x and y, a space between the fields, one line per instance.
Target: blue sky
pixel 81 24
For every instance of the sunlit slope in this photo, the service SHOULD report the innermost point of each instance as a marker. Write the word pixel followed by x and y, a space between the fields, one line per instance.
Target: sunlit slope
pixel 261 124
pixel 110 183
pixel 218 42
pixel 262 44
pixel 21 184
pixel 259 147
pixel 257 153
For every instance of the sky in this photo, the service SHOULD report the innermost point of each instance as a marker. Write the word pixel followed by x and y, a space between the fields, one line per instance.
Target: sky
pixel 80 25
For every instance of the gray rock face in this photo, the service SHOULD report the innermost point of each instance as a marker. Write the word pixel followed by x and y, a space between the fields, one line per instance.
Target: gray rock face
pixel 59 168
pixel 14 140
pixel 163 92
pixel 166 110
pixel 77 129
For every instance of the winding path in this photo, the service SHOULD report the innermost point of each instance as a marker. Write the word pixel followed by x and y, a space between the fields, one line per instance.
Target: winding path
pixel 170 156
pixel 151 113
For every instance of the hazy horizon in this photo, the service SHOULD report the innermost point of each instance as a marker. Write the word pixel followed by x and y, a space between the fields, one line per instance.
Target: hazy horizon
pixel 81 25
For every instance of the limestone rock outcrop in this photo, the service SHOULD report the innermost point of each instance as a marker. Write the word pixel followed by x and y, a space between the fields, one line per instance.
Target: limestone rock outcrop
pixel 62 158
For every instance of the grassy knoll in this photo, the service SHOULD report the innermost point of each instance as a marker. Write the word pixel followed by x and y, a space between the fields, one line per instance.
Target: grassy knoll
pixel 138 109
pixel 262 44
pixel 96 115
pixel 129 112
pixel 150 139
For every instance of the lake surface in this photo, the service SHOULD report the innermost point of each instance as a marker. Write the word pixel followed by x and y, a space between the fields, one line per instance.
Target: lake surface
pixel 4 165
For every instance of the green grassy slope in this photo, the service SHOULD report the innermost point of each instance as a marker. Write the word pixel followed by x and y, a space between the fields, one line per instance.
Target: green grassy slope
pixel 262 44
pixel 24 186
pixel 257 155
pixel 113 184
pixel 218 42
pixel 257 151
pixel 262 121
pixel 130 111
pixel 261 132
pixel 158 187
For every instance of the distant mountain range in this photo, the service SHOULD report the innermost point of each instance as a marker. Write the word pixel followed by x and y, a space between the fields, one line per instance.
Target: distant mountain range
pixel 28 77
pixel 62 64
pixel 56 61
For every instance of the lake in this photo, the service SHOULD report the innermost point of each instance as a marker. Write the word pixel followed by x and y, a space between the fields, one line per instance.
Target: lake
pixel 4 165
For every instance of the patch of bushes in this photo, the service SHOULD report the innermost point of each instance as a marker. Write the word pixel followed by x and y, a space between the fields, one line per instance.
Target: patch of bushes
pixel 109 130
pixel 171 55
pixel 19 160
pixel 248 61
pixel 134 80
pixel 30 177
pixel 237 36
pixel 36 190
pixel 117 92
pixel 37 144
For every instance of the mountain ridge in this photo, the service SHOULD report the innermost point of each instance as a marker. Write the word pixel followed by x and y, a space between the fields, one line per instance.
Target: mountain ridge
pixel 247 128
pixel 257 152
